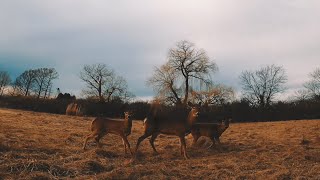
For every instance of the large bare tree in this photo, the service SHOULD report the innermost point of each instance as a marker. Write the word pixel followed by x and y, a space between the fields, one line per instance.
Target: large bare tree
pixel 5 80
pixel 185 62
pixel 313 85
pixel 261 86
pixel 102 82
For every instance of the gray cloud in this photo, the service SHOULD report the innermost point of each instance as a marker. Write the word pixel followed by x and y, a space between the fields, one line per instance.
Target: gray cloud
pixel 133 36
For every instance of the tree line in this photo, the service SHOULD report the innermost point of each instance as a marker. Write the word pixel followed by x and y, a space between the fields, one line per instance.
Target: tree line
pixel 187 75
pixel 35 82
pixel 102 84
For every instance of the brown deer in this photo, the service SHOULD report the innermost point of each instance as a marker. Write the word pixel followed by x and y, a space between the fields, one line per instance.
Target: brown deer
pixel 102 126
pixel 211 130
pixel 156 123
pixel 73 109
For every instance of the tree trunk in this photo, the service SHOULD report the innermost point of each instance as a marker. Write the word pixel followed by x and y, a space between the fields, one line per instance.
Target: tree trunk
pixel 40 89
pixel 187 92
pixel 100 91
pixel 27 91
pixel 178 102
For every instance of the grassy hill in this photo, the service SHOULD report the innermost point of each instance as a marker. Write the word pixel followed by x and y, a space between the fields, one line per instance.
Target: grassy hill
pixel 45 146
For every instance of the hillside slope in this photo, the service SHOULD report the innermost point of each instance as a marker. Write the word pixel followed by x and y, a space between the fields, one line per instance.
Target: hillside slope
pixel 39 145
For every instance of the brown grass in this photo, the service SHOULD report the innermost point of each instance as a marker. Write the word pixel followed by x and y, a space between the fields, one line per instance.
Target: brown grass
pixel 45 146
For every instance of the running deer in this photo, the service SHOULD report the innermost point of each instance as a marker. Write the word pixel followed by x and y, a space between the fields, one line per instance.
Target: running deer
pixel 158 123
pixel 211 130
pixel 102 126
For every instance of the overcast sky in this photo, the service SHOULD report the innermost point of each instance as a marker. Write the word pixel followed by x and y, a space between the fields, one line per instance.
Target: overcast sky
pixel 134 36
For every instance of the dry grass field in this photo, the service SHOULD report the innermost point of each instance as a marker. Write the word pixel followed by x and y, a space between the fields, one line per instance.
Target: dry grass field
pixel 47 146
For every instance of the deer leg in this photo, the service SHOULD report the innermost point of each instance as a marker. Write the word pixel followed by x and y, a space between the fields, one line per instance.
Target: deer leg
pixel 97 138
pixel 86 140
pixel 141 138
pixel 218 142
pixel 213 142
pixel 125 146
pixel 126 142
pixel 152 139
pixel 183 146
pixel 216 138
pixel 195 139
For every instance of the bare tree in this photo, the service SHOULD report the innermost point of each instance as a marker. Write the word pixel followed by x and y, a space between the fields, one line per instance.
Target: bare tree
pixel 261 86
pixel 185 62
pixel 25 82
pixel 96 76
pixel 103 83
pixel 43 80
pixel 301 95
pixel 116 87
pixel 51 75
pixel 313 85
pixel 5 80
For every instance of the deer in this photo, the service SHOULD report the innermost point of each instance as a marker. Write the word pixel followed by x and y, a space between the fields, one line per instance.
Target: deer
pixel 211 130
pixel 102 126
pixel 74 109
pixel 156 123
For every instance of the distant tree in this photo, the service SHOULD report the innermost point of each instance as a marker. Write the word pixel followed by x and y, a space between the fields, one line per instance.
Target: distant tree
pixel 116 87
pixel 313 85
pixel 102 82
pixel 51 75
pixel 96 77
pixel 301 95
pixel 5 80
pixel 185 63
pixel 43 81
pixel 261 86
pixel 25 82
pixel 127 96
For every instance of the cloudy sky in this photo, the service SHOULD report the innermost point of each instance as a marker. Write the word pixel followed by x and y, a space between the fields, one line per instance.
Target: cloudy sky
pixel 134 36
